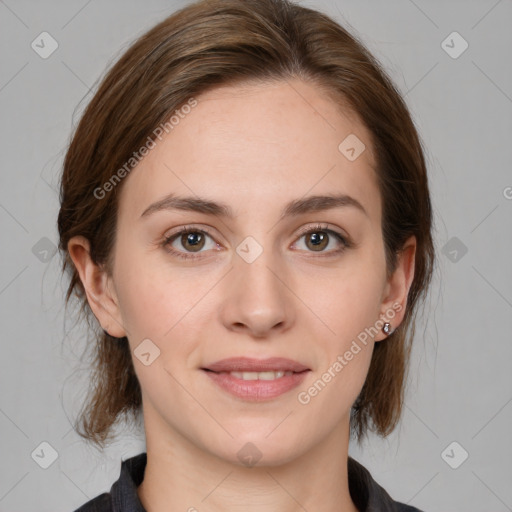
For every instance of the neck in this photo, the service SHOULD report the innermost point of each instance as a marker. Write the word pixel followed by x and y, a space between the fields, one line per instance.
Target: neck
pixel 179 475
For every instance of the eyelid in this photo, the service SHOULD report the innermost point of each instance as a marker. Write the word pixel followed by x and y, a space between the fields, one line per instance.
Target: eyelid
pixel 302 231
pixel 188 227
pixel 322 226
pixel 169 237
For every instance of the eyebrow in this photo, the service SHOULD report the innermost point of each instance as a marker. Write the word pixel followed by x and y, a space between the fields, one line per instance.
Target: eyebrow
pixel 315 203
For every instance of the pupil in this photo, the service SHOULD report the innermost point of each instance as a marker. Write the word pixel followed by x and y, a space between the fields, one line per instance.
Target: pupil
pixel 191 238
pixel 316 238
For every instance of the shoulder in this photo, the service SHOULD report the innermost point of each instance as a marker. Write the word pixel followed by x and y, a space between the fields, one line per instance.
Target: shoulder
pixel 101 503
pixel 123 493
pixel 368 495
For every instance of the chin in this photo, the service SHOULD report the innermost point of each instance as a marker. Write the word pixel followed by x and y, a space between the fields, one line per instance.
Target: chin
pixel 257 449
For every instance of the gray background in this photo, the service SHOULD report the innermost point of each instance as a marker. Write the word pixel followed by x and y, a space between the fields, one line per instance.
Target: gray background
pixel 460 386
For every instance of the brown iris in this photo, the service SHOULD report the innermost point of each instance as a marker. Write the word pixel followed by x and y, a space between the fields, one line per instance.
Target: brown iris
pixel 319 240
pixel 195 238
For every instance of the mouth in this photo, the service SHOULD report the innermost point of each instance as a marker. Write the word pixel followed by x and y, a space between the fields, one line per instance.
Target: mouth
pixel 256 380
pixel 250 365
pixel 266 375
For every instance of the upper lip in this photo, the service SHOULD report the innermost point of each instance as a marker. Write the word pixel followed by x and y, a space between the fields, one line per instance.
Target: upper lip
pixel 247 364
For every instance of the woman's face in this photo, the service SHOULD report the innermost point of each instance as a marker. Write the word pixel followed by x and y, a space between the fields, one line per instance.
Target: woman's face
pixel 254 286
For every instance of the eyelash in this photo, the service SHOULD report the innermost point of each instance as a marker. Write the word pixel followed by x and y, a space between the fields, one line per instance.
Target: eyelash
pixel 306 231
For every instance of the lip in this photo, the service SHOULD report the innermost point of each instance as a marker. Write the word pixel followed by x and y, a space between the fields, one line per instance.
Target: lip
pixel 256 390
pixel 247 364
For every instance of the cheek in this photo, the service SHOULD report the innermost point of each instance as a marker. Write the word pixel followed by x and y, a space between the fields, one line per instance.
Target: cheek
pixel 150 300
pixel 162 304
pixel 348 300
pixel 349 307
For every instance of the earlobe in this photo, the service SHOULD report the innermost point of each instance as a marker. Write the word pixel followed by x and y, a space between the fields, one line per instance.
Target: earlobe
pixel 96 283
pixel 397 288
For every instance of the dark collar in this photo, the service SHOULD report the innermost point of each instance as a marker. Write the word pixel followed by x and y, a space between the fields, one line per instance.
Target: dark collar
pixel 366 493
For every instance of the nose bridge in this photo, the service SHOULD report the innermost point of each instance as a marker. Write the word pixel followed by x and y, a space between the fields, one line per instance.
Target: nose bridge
pixel 256 297
pixel 254 266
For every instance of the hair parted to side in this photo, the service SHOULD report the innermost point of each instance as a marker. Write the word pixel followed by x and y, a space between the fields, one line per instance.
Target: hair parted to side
pixel 224 42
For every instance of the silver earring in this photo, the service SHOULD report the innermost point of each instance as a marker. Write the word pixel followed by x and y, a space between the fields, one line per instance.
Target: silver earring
pixel 387 328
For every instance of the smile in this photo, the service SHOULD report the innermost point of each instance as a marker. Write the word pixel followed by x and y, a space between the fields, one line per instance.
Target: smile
pixel 268 375
pixel 256 386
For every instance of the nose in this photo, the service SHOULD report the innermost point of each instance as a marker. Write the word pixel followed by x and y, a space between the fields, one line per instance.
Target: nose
pixel 256 299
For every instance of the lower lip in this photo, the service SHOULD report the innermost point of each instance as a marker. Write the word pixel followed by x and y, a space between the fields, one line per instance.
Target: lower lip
pixel 256 390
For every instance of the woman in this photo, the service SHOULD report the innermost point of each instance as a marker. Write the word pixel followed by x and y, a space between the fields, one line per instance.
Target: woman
pixel 245 211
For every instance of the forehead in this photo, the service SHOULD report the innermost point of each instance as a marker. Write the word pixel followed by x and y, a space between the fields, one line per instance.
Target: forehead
pixel 246 144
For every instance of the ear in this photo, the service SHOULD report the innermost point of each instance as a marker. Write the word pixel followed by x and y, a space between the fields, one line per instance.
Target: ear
pixel 98 287
pixel 394 296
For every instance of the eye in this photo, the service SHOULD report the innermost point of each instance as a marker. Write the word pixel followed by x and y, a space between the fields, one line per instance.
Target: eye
pixel 318 237
pixel 191 239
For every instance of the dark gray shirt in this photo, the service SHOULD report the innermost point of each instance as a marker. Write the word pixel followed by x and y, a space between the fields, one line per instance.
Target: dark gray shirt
pixel 366 493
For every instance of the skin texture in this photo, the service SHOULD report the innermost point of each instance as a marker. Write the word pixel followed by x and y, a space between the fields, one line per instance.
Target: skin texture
pixel 255 148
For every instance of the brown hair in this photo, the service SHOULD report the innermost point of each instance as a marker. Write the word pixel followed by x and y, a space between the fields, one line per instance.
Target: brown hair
pixel 222 42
